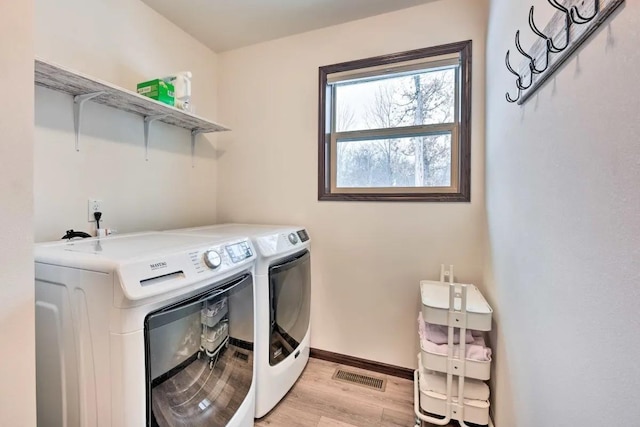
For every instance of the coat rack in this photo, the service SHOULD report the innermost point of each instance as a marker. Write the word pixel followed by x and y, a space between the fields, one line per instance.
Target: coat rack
pixel 569 27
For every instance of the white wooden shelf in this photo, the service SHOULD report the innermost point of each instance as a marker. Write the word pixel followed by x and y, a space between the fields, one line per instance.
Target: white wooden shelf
pixel 84 88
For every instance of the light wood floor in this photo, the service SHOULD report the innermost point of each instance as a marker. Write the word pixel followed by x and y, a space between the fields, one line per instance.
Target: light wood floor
pixel 318 401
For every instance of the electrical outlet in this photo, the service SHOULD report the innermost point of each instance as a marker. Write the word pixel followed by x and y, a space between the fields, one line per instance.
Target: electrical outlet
pixel 95 205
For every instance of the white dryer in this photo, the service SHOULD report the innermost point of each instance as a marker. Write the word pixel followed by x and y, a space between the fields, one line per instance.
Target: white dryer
pixel 150 329
pixel 283 302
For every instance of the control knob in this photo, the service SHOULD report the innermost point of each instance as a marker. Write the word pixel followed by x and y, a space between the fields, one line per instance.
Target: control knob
pixel 293 238
pixel 213 259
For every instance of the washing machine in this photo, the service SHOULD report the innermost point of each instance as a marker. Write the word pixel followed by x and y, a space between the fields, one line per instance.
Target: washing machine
pixel 283 301
pixel 149 329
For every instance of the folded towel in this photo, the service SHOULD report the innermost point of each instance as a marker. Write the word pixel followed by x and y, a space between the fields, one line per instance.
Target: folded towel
pixel 440 334
pixel 437 383
pixel 477 334
pixel 474 351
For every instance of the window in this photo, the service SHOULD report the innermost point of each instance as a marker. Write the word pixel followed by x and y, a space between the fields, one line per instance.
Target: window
pixel 397 127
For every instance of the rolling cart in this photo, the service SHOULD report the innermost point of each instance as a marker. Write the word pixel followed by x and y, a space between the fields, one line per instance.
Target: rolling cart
pixel 462 307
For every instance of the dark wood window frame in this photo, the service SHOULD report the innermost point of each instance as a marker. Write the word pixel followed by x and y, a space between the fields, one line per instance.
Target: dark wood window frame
pixel 463 194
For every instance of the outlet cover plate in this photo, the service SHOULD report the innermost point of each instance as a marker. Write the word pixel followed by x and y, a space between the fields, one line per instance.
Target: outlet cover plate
pixel 95 205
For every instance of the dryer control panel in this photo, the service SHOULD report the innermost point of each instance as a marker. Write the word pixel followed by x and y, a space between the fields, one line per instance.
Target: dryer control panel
pixel 303 235
pixel 282 242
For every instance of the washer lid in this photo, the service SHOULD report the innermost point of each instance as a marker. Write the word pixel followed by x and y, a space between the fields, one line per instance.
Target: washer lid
pixel 150 264
pixel 128 247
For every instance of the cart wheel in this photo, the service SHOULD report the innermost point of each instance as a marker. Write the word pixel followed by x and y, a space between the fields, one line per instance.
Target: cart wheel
pixel 199 355
pixel 418 422
pixel 226 345
pixel 210 365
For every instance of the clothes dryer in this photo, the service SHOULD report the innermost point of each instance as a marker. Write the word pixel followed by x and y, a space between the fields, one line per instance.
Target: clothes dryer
pixel 283 301
pixel 150 329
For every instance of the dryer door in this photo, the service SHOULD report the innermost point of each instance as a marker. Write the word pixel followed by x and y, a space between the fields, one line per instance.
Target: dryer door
pixel 199 357
pixel 290 297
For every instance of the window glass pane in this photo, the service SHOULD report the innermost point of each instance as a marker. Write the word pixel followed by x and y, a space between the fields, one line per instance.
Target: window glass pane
pixel 417 98
pixel 423 161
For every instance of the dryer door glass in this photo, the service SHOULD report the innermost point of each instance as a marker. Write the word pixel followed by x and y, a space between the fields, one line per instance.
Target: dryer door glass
pixel 290 297
pixel 199 357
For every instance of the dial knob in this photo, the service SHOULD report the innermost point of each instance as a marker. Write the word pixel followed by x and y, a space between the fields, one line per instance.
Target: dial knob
pixel 212 259
pixel 293 238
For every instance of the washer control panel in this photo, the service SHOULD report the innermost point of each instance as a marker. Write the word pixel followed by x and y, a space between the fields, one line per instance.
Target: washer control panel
pixel 222 257
pixel 165 272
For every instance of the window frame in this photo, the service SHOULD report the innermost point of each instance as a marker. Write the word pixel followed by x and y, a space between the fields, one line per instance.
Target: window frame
pixel 327 189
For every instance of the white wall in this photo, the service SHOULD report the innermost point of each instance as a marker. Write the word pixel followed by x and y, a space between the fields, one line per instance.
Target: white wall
pixel 367 257
pixel 124 42
pixel 564 226
pixel 17 358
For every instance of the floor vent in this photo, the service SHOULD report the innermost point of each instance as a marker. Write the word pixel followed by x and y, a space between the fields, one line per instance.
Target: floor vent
pixel 359 379
pixel 242 356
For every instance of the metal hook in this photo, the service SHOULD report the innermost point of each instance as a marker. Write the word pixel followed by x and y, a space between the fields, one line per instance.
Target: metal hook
pixel 550 44
pixel 567 20
pixel 518 80
pixel 546 57
pixel 515 73
pixel 551 47
pixel 532 60
pixel 521 50
pixel 579 19
pixel 511 100
pixel 510 68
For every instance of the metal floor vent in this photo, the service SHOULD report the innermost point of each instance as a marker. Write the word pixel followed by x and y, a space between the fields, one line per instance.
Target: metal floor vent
pixel 375 383
pixel 242 356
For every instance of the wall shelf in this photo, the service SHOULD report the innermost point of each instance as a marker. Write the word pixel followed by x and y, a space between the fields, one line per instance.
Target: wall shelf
pixel 84 88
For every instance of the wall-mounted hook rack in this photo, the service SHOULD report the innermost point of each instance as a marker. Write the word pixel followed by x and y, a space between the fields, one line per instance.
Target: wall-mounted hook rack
pixel 570 22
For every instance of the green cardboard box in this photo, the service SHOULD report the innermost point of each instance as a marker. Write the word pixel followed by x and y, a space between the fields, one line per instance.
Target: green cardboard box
pixel 159 90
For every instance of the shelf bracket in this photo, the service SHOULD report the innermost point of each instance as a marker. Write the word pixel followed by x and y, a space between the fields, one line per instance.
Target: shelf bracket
pixel 194 134
pixel 147 123
pixel 78 103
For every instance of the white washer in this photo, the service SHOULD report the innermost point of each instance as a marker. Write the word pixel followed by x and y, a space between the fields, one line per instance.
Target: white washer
pixel 283 299
pixel 148 329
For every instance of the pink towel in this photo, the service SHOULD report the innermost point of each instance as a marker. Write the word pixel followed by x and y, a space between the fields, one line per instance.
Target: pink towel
pixel 477 350
pixel 477 334
pixel 440 334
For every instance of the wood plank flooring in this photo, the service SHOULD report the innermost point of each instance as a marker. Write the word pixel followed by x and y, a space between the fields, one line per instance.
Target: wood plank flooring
pixel 316 400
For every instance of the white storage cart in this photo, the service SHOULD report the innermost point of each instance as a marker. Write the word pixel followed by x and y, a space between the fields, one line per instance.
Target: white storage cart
pixel 462 307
